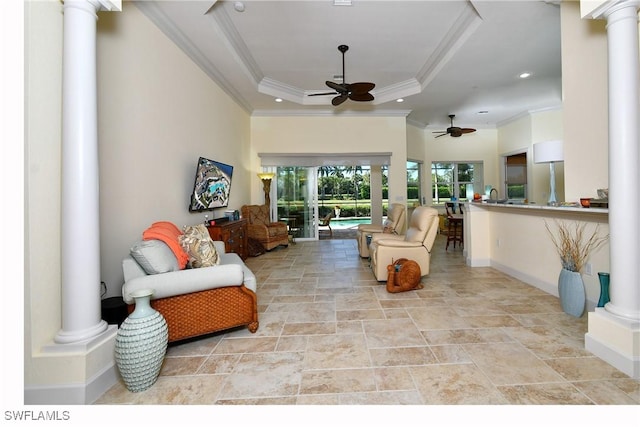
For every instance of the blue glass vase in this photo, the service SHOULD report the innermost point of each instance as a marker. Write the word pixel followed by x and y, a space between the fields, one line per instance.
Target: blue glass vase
pixel 604 289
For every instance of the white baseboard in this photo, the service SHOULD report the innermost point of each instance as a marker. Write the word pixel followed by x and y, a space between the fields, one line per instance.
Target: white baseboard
pixel 630 366
pixel 550 288
pixel 72 394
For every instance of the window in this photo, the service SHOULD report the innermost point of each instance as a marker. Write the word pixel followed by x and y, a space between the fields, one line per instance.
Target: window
pixel 516 176
pixel 455 180
pixel 414 191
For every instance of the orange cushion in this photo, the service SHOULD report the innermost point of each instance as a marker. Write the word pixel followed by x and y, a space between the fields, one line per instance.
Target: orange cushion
pixel 169 234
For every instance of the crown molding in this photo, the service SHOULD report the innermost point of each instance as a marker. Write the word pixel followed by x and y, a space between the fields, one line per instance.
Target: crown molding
pixel 329 113
pixel 168 27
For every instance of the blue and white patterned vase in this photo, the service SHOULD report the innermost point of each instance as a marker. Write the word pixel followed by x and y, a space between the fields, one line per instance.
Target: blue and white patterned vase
pixel 141 343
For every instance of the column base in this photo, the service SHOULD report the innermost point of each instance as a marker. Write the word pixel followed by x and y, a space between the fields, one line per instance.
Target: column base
pixel 74 374
pixel 615 340
pixel 72 337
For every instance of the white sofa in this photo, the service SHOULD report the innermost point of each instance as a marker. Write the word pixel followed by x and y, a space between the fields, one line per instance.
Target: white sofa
pixel 415 244
pixel 194 301
pixel 393 224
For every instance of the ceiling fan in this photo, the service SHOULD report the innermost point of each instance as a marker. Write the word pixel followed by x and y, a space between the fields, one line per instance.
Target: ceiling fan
pixel 354 91
pixel 454 131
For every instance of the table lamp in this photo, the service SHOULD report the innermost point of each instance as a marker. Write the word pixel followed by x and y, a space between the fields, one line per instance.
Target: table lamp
pixel 549 152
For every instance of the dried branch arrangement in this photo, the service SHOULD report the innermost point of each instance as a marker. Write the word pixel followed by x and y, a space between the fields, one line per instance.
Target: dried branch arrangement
pixel 573 244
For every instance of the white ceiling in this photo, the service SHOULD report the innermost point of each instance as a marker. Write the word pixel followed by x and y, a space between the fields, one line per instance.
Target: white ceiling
pixel 443 57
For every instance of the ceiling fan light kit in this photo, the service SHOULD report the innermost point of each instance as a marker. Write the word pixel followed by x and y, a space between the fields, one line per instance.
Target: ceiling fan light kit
pixel 454 131
pixel 359 92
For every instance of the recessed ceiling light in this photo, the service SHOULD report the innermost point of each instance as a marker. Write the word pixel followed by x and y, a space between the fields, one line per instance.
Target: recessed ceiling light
pixel 524 75
pixel 278 99
pixel 400 100
pixel 238 6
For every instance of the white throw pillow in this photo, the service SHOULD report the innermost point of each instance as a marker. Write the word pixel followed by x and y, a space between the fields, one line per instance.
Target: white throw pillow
pixel 154 256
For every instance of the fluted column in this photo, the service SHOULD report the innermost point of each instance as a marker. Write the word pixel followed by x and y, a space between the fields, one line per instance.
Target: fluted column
pixel 615 330
pixel 80 228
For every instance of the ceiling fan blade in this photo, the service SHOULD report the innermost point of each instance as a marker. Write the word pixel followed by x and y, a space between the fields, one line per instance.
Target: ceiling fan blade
pixel 467 130
pixel 441 135
pixel 323 94
pixel 439 131
pixel 361 97
pixel 339 99
pixel 337 87
pixel 361 87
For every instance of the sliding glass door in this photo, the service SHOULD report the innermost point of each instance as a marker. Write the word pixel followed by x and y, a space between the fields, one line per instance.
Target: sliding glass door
pixel 296 195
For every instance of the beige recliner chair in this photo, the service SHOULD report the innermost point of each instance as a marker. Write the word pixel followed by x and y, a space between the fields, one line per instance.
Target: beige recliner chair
pixel 415 244
pixel 396 217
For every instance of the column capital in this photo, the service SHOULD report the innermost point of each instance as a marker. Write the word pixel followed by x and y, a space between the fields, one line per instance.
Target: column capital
pixel 97 5
pixel 600 9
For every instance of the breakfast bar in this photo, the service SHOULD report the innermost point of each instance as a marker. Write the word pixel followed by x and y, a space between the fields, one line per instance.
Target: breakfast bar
pixel 514 239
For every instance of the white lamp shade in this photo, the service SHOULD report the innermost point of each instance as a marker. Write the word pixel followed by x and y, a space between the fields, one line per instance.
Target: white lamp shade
pixel 548 151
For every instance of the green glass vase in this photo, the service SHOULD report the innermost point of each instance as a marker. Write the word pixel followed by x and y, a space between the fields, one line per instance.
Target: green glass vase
pixel 604 288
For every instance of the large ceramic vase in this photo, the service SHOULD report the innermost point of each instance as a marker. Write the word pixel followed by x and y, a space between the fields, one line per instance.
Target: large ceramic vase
pixel 572 293
pixel 141 344
pixel 604 289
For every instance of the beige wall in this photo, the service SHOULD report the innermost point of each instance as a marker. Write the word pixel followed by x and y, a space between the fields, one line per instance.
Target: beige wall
pixel 334 135
pixel 43 127
pixel 518 136
pixel 479 146
pixel 585 103
pixel 158 113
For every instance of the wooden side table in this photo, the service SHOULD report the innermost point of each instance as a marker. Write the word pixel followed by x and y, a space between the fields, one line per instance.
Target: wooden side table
pixel 233 234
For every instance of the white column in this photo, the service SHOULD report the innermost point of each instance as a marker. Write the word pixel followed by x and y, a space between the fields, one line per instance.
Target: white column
pixel 615 330
pixel 375 193
pixel 81 319
pixel 624 160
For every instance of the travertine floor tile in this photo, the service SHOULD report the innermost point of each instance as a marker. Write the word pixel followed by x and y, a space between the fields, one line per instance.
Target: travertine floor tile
pixel 264 375
pixel 455 385
pixel 544 394
pixel 393 378
pixel 337 381
pixel 605 393
pixel 585 369
pixel 330 334
pixel 510 363
pixel 336 352
pixel 402 356
pixel 392 333
pixel 381 398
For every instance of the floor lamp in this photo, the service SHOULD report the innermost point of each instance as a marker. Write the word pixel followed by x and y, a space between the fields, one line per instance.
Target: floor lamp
pixel 549 152
pixel 266 178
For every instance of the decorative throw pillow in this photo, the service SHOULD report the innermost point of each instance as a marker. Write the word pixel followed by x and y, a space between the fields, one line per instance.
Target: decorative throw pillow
pixel 154 256
pixel 198 245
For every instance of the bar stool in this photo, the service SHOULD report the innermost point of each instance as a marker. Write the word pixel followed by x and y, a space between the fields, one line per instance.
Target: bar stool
pixel 455 231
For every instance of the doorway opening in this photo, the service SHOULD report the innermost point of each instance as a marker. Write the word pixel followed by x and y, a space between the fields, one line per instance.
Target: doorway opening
pixel 306 195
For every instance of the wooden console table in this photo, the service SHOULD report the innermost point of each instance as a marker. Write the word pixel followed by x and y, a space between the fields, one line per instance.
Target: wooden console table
pixel 233 234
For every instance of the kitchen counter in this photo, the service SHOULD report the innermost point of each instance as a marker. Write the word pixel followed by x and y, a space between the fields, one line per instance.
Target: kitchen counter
pixel 548 209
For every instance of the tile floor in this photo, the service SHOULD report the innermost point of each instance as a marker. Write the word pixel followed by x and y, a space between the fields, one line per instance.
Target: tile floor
pixel 331 335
